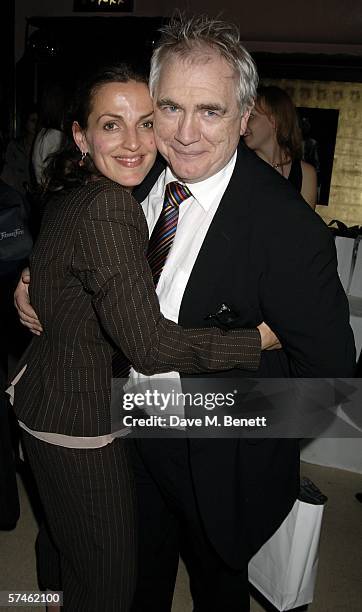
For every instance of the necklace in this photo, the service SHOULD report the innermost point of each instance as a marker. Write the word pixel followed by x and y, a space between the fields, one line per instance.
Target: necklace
pixel 281 164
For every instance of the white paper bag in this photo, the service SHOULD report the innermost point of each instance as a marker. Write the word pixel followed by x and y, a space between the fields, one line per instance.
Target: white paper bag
pixel 284 569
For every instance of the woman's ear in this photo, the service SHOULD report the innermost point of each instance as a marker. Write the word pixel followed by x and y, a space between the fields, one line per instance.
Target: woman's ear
pixel 79 137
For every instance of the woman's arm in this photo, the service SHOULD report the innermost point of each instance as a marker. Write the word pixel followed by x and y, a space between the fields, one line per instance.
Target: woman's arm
pixel 29 318
pixel 309 184
pixel 114 270
pixel 110 261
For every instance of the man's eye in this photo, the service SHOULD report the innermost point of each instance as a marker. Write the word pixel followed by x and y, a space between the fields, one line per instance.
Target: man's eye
pixel 210 113
pixel 171 109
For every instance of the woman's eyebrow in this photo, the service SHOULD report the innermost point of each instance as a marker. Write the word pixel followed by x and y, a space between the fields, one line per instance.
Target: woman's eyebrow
pixel 116 116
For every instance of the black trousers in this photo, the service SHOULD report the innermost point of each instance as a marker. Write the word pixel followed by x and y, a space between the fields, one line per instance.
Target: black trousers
pixel 169 525
pixel 89 503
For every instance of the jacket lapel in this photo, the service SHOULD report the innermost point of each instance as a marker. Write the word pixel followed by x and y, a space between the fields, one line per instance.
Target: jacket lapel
pixel 228 230
pixel 141 192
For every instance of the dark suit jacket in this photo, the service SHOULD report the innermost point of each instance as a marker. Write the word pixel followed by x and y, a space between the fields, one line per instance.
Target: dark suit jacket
pixel 93 291
pixel 269 257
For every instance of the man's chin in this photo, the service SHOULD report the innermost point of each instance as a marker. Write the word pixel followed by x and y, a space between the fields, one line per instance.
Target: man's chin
pixel 187 172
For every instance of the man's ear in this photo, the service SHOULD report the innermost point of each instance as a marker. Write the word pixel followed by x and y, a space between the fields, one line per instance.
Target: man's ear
pixel 244 121
pixel 79 137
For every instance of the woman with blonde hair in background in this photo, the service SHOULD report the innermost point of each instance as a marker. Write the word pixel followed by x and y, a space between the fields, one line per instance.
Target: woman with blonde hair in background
pixel 274 134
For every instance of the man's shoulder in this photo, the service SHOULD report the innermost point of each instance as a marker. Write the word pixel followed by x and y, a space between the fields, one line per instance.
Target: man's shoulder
pixel 269 194
pixel 274 207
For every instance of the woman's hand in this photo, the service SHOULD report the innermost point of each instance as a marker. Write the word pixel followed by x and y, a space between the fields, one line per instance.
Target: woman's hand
pixel 269 340
pixel 26 312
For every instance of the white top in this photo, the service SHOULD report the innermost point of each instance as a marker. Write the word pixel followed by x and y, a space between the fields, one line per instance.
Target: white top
pixel 46 143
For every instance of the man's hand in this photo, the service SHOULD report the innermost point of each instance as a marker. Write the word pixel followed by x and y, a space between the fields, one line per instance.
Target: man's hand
pixel 26 312
pixel 269 340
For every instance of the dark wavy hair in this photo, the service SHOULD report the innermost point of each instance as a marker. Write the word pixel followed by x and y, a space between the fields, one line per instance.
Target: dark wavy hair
pixel 276 103
pixel 63 170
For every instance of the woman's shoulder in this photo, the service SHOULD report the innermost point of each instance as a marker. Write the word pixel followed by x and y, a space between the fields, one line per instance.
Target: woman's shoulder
pixel 307 169
pixel 104 186
pixel 106 199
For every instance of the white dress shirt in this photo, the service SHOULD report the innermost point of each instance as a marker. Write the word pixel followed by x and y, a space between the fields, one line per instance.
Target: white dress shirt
pixel 195 217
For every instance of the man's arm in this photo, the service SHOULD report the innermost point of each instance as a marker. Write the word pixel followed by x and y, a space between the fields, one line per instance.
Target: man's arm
pixel 303 301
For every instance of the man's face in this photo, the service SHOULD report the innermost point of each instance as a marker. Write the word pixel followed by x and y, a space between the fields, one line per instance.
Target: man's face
pixel 197 121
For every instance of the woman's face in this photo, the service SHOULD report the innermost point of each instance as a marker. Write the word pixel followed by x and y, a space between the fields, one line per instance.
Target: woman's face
pixel 119 134
pixel 260 130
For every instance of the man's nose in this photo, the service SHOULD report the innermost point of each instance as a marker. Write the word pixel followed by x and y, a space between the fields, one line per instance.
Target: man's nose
pixel 188 130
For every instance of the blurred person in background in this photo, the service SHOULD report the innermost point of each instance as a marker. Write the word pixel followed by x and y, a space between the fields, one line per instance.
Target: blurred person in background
pixel 50 135
pixel 274 134
pixel 17 163
pixel 15 247
pixel 48 141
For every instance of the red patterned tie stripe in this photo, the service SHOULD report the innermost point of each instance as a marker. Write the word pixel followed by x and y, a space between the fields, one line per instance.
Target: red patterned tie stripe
pixel 165 229
pixel 158 249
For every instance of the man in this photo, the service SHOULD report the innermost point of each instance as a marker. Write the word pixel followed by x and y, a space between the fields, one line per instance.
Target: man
pixel 248 240
pixel 244 238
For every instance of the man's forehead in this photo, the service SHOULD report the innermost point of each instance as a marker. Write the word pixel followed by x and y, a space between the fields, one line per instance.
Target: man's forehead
pixel 202 55
pixel 178 75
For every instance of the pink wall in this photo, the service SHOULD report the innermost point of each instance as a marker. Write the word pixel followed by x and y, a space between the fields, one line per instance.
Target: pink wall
pixel 323 22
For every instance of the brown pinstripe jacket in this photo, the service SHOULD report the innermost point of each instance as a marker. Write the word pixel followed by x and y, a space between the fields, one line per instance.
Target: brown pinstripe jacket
pixel 93 291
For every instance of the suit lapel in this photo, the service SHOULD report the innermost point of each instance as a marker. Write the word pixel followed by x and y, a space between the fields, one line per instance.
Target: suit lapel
pixel 229 228
pixel 141 192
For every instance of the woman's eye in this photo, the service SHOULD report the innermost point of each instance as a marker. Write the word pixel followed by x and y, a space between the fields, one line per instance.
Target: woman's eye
pixel 110 125
pixel 148 125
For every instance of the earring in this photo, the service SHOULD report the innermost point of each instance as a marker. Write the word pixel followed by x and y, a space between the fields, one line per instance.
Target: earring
pixel 84 155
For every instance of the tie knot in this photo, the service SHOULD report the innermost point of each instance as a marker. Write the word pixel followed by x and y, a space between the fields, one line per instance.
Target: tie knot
pixel 176 193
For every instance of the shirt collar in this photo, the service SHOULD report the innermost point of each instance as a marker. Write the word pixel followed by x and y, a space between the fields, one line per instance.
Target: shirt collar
pixel 201 191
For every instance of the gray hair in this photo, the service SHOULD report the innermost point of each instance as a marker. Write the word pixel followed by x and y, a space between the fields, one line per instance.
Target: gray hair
pixel 184 36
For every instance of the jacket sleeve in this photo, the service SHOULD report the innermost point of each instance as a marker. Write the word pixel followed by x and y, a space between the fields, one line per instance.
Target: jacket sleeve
pixel 109 259
pixel 304 303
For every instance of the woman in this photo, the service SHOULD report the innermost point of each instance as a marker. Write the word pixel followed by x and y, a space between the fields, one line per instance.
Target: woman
pixel 273 133
pixel 93 290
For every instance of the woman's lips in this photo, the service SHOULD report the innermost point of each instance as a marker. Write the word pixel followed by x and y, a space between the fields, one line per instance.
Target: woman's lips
pixel 130 162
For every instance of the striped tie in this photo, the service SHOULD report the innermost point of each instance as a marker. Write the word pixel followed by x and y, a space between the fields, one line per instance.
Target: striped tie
pixel 165 229
pixel 158 249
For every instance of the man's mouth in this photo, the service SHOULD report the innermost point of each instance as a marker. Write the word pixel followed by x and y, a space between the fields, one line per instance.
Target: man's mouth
pixel 188 153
